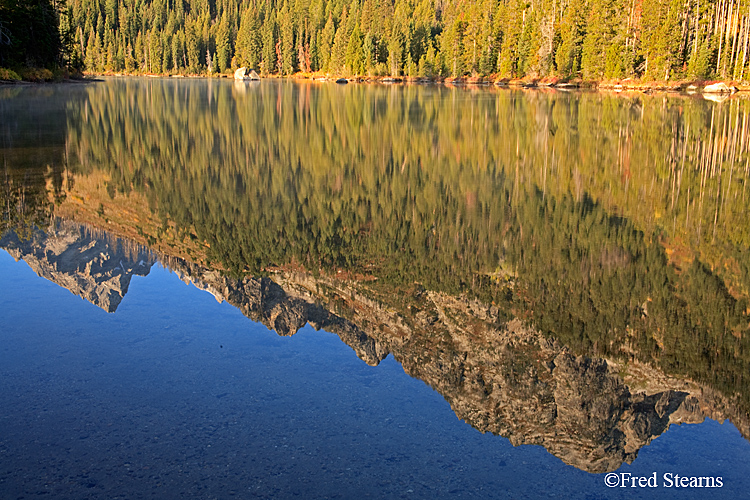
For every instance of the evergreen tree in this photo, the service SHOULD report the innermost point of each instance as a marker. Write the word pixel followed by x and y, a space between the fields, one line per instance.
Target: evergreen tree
pixel 326 40
pixel 268 62
pixel 340 42
pixel 248 47
pixel 602 54
pixel 223 47
pixel 572 32
pixel 286 33
pixel 452 46
pixel 512 22
pixel 662 30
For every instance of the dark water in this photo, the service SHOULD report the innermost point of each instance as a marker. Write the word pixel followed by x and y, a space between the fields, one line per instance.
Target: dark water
pixel 513 294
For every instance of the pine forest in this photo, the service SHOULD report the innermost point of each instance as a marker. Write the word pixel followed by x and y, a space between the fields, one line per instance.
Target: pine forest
pixel 653 40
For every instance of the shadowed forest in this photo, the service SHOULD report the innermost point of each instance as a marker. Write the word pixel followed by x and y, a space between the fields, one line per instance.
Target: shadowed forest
pixel 29 33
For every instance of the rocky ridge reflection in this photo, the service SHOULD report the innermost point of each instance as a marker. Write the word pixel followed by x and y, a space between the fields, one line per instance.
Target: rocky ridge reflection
pixel 84 260
pixel 499 376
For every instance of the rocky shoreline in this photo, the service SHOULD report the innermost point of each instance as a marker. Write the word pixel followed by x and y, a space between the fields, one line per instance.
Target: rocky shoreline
pixel 709 87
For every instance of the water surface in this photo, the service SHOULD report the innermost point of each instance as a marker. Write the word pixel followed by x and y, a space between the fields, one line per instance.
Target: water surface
pixel 563 275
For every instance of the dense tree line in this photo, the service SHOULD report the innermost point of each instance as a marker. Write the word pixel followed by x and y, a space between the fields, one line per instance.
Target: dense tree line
pixel 593 39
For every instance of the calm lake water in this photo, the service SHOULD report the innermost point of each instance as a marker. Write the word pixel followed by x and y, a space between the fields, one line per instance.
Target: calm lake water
pixel 307 290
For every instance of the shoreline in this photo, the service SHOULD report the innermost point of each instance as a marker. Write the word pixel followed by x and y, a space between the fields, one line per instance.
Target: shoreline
pixel 717 89
pixel 685 87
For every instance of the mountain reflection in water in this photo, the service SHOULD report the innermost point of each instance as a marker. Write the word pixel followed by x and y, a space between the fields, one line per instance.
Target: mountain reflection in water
pixel 565 270
pixel 499 376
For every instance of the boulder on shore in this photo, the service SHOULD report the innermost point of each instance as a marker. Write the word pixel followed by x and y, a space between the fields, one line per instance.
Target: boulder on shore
pixel 242 74
pixel 718 88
